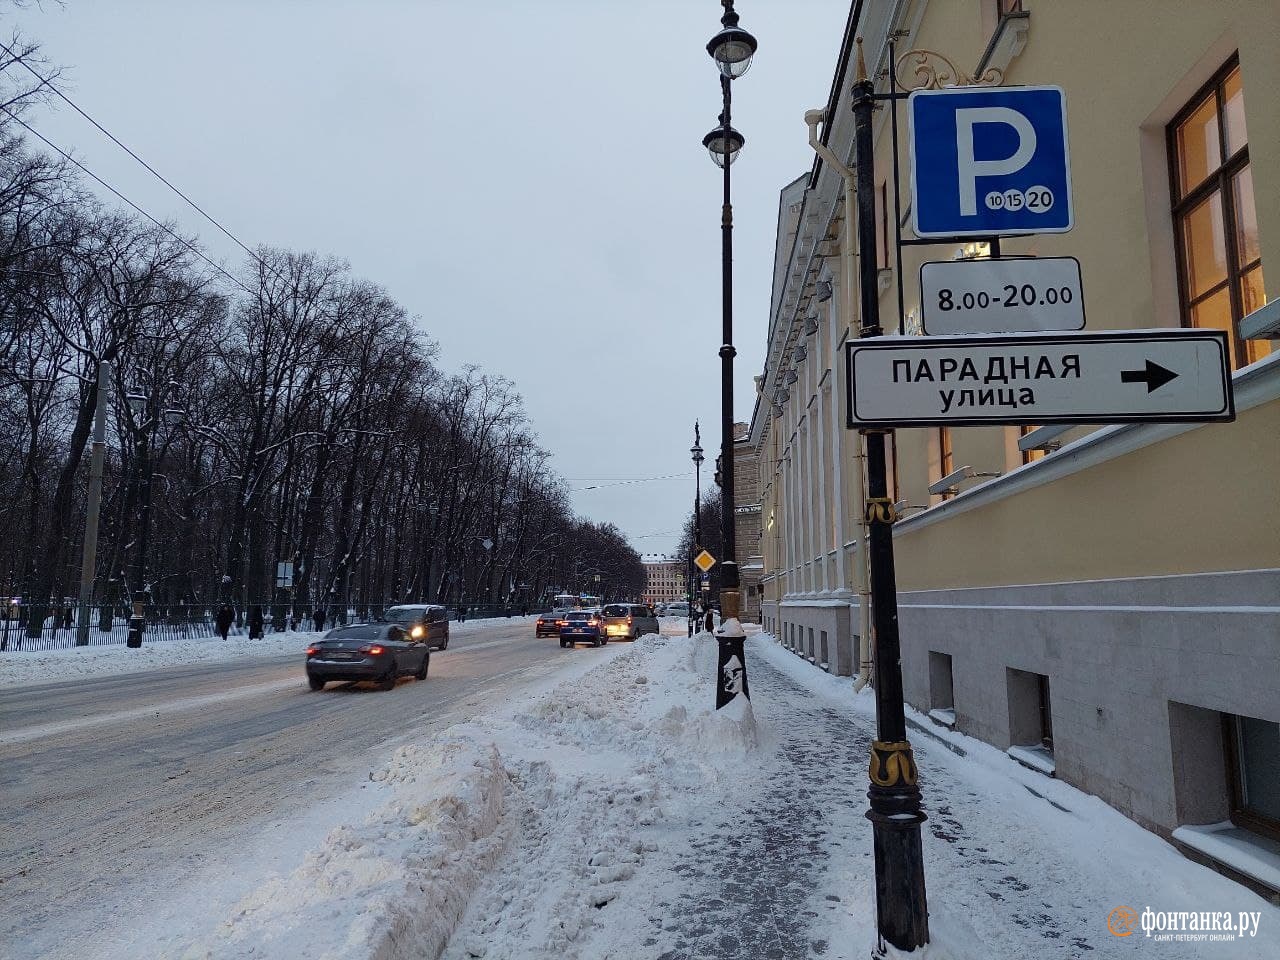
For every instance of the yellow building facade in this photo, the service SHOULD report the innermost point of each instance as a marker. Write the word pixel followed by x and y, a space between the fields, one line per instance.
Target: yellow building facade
pixel 1106 603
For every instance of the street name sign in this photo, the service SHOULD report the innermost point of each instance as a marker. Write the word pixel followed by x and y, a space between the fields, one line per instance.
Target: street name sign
pixel 987 161
pixel 705 561
pixel 1018 295
pixel 1118 376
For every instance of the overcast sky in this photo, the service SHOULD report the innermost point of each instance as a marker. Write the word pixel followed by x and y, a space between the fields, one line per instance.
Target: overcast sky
pixel 526 177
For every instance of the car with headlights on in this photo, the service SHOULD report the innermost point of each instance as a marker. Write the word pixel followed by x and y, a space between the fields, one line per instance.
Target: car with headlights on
pixel 380 652
pixel 428 622
pixel 628 621
pixel 584 625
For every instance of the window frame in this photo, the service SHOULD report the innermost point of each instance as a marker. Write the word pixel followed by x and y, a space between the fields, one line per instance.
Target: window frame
pixel 946 457
pixel 1241 814
pixel 1220 182
pixel 1029 456
pixel 1046 711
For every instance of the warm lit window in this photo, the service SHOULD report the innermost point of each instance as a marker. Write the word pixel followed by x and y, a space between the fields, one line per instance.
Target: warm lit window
pixel 1219 258
pixel 1029 455
pixel 891 449
pixel 882 225
pixel 944 456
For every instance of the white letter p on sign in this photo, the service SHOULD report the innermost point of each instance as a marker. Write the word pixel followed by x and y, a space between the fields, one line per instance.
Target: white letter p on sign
pixel 971 168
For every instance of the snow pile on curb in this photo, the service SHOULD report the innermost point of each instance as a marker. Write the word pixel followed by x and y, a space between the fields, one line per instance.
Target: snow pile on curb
pixel 661 687
pixel 395 885
pixel 565 789
pixel 49 666
pixel 608 765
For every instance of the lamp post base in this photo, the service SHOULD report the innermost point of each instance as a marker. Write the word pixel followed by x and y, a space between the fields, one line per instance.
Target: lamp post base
pixel 902 911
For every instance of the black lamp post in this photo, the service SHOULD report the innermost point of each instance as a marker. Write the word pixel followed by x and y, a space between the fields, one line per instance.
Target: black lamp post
pixel 902 910
pixel 696 453
pixel 731 49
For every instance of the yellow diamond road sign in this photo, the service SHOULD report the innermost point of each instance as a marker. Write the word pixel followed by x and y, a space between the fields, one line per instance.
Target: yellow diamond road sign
pixel 705 561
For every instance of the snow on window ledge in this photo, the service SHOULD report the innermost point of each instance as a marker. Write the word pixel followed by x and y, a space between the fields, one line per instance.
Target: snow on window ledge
pixel 944 717
pixel 1242 851
pixel 1037 758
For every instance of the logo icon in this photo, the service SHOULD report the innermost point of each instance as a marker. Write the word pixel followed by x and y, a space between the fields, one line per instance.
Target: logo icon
pixel 1120 921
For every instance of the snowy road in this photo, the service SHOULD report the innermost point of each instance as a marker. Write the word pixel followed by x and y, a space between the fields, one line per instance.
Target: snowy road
pixel 120 789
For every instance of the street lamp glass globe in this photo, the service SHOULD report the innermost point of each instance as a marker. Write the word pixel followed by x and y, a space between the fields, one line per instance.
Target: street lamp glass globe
pixel 732 49
pixel 697 454
pixel 720 146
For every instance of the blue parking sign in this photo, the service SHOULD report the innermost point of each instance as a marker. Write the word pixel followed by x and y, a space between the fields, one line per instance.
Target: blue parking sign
pixel 989 160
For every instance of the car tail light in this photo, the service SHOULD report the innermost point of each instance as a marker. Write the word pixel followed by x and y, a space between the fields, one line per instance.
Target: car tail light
pixel 629 620
pixel 312 651
pixel 561 623
pixel 373 649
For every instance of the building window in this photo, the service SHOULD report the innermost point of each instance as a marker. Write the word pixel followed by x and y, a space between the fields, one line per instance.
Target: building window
pixel 941 688
pixel 944 457
pixel 882 225
pixel 1030 710
pixel 1219 257
pixel 1253 763
pixel 895 488
pixel 1029 455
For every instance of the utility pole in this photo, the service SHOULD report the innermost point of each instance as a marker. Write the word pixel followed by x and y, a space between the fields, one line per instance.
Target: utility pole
pixel 902 913
pixel 89 558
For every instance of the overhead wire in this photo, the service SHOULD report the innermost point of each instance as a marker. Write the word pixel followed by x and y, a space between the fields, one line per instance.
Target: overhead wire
pixel 623 483
pixel 163 226
pixel 47 82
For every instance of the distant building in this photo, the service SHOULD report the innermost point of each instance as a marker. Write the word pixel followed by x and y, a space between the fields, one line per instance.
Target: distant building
pixel 665 578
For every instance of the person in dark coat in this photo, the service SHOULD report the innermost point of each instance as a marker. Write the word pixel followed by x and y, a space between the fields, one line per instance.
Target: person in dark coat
pixel 462 614
pixel 256 622
pixel 226 616
pixel 66 619
pixel 318 618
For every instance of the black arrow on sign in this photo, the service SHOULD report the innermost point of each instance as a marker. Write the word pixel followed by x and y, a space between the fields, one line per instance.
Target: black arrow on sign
pixel 1155 376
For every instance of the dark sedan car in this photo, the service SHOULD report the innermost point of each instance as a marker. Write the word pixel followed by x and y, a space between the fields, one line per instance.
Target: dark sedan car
pixel 584 625
pixel 548 625
pixel 381 652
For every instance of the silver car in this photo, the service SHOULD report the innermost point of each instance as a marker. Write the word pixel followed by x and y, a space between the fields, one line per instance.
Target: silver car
pixel 627 621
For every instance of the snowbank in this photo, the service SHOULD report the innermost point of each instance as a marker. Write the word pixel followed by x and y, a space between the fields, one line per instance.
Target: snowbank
pixel 572 774
pixel 395 884
pixel 49 666
pixel 100 660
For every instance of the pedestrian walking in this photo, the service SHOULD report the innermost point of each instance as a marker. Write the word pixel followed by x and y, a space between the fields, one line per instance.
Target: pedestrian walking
pixel 224 620
pixel 318 618
pixel 462 614
pixel 256 622
pixel 66 619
